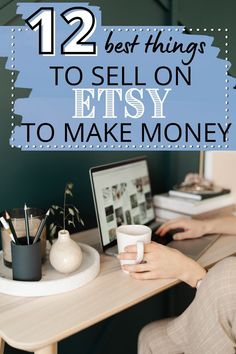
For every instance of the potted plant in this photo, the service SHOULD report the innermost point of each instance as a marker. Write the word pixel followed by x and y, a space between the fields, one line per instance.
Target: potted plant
pixel 65 254
pixel 66 216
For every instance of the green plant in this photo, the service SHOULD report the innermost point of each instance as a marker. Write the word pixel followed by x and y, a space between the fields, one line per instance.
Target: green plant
pixel 66 216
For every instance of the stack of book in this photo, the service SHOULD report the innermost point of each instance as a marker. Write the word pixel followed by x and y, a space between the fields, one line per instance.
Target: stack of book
pixel 176 204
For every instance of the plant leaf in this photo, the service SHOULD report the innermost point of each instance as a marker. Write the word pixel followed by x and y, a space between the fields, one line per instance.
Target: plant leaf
pixel 70 185
pixel 81 221
pixel 51 226
pixel 71 211
pixel 68 192
pixel 53 231
pixel 52 211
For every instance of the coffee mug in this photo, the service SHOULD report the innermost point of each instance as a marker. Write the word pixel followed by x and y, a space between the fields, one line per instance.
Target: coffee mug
pixel 133 235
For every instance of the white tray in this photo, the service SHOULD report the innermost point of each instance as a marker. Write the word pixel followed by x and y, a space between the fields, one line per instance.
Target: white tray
pixel 52 282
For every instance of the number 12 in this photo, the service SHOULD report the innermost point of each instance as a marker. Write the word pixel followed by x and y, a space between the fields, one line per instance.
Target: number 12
pixel 76 44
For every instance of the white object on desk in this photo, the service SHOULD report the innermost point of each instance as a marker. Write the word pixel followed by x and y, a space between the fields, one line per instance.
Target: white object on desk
pixel 52 282
pixel 130 235
pixel 65 254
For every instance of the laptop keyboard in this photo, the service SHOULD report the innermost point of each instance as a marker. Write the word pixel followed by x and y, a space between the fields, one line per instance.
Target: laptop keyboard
pixel 112 251
pixel 164 240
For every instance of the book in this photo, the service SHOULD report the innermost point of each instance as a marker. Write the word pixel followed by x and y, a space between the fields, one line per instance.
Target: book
pixel 198 196
pixel 190 206
pixel 166 214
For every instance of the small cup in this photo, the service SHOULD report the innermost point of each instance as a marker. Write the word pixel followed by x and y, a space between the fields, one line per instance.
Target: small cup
pixel 131 235
pixel 26 260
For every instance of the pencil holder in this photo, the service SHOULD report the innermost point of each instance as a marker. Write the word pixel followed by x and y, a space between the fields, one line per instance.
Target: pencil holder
pixel 17 217
pixel 26 260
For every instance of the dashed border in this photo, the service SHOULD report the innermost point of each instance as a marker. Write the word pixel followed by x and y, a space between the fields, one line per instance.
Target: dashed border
pixel 169 29
pixel 226 82
pixel 119 146
pixel 13 74
pixel 13 79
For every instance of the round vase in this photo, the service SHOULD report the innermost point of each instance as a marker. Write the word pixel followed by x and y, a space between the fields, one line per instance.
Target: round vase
pixel 65 255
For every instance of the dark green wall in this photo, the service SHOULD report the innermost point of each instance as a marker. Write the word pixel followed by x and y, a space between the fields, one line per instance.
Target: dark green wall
pixel 212 14
pixel 39 178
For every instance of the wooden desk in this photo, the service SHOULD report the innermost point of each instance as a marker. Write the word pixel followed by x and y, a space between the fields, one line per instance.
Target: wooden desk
pixel 37 324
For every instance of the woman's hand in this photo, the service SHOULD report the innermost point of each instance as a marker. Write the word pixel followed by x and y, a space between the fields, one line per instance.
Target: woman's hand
pixel 191 228
pixel 161 262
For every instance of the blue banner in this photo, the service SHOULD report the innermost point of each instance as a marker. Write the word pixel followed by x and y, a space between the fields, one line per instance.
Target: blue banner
pixel 96 87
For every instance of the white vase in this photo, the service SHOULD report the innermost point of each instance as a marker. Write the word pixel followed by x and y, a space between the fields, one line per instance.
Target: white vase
pixel 65 255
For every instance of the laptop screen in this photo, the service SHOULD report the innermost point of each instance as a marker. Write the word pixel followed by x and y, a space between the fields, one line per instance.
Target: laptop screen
pixel 122 195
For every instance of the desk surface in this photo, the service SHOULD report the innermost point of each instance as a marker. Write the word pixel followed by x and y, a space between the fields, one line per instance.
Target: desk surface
pixel 32 323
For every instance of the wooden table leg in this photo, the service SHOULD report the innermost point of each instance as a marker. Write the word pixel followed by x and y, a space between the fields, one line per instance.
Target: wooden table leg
pixel 51 349
pixel 2 345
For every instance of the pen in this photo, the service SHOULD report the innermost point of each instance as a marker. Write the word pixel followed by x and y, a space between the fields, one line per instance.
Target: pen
pixel 27 225
pixel 41 226
pixel 6 227
pixel 11 227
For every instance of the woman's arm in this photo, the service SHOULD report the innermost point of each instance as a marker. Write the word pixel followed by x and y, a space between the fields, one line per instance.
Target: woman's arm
pixel 163 262
pixel 223 225
pixel 198 228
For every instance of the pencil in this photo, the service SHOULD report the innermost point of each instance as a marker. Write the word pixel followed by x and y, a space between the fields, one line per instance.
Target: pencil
pixel 41 226
pixel 6 227
pixel 27 225
pixel 11 227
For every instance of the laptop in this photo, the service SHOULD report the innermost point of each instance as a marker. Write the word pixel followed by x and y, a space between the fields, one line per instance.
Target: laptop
pixel 122 195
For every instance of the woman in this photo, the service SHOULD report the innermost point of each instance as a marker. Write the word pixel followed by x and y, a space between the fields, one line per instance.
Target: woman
pixel 209 324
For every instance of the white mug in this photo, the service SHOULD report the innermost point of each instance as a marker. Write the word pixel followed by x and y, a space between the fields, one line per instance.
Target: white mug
pixel 133 235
